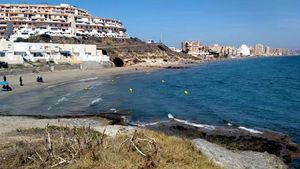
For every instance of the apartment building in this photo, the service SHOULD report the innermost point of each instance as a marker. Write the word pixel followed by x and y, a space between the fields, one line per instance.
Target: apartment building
pixel 195 48
pixel 23 20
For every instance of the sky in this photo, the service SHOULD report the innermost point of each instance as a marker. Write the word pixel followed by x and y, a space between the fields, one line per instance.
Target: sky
pixel 228 22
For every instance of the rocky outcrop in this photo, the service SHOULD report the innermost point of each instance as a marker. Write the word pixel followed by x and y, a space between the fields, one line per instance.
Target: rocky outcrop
pixel 235 138
pixel 238 159
pixel 130 50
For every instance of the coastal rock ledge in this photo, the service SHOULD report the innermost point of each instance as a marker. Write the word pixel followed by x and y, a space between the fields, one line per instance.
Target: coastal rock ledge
pixel 238 159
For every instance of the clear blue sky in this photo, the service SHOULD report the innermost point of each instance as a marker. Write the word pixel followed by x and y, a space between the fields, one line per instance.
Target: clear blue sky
pixel 229 22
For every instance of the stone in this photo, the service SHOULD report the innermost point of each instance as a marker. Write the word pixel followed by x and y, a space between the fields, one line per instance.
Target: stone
pixel 238 159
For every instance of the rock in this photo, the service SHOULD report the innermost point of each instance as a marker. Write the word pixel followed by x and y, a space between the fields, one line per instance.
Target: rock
pixel 235 138
pixel 116 117
pixel 238 159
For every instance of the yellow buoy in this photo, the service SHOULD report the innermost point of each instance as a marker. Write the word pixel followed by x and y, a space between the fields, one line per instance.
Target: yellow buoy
pixel 163 81
pixel 130 90
pixel 186 92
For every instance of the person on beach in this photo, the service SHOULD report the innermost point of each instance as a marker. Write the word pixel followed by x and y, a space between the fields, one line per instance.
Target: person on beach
pixel 4 78
pixel 21 81
pixel 6 88
pixel 39 79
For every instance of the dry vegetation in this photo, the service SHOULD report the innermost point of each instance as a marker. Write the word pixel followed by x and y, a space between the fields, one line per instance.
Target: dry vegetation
pixel 60 147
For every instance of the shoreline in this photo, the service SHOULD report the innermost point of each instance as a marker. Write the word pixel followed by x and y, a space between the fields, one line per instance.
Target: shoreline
pixel 274 146
pixel 56 78
pixel 59 77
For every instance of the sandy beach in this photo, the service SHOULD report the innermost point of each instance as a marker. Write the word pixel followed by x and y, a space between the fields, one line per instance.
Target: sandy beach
pixel 52 78
pixel 8 124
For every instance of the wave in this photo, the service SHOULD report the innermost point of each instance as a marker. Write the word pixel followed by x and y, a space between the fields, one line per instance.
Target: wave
pixel 88 79
pixel 113 109
pixel 58 102
pixel 49 108
pixel 250 130
pixel 98 84
pixel 55 85
pixel 94 102
pixel 143 124
pixel 62 99
pixel 170 116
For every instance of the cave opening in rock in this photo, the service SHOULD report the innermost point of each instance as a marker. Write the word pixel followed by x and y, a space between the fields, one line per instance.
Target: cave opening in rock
pixel 118 62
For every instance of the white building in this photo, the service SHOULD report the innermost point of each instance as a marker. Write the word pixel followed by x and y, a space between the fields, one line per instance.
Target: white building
pixel 244 50
pixel 15 52
pixel 7 53
pixel 174 49
pixel 23 20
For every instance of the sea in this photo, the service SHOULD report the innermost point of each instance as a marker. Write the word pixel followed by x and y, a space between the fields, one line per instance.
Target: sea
pixel 259 94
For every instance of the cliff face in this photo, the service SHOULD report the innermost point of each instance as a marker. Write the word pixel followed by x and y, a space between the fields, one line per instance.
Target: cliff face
pixel 130 51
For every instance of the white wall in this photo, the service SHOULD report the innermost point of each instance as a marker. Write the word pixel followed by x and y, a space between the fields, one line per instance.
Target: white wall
pixel 51 51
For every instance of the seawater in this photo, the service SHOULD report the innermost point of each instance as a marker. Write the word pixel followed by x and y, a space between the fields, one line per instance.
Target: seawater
pixel 260 93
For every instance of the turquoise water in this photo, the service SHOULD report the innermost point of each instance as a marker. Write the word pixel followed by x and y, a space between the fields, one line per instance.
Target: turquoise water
pixel 260 93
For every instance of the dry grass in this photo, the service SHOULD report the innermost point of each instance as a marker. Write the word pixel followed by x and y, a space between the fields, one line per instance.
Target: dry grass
pixel 59 147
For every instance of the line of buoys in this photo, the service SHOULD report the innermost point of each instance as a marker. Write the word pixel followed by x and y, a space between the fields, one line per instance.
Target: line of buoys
pixel 130 90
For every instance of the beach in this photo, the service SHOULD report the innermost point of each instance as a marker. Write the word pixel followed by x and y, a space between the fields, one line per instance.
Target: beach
pixel 56 77
pixel 229 137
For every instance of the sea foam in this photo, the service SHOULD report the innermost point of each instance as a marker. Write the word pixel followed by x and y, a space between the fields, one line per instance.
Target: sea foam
pixel 88 79
pixel 250 130
pixel 94 102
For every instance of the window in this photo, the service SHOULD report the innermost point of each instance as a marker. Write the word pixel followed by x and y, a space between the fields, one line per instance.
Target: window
pixel 2 54
pixel 37 54
pixel 21 53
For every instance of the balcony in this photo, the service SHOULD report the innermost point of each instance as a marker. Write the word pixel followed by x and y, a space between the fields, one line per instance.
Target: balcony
pixel 20 16
pixel 37 17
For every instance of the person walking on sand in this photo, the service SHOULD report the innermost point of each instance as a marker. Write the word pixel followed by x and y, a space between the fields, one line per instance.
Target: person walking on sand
pixel 21 81
pixel 4 78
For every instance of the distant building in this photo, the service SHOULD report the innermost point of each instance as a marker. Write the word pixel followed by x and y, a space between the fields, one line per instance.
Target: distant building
pixel 195 48
pixel 151 41
pixel 244 50
pixel 259 50
pixel 174 49
pixel 267 50
pixel 24 20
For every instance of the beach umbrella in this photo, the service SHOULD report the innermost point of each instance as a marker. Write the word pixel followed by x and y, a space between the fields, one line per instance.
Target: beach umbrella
pixel 4 83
